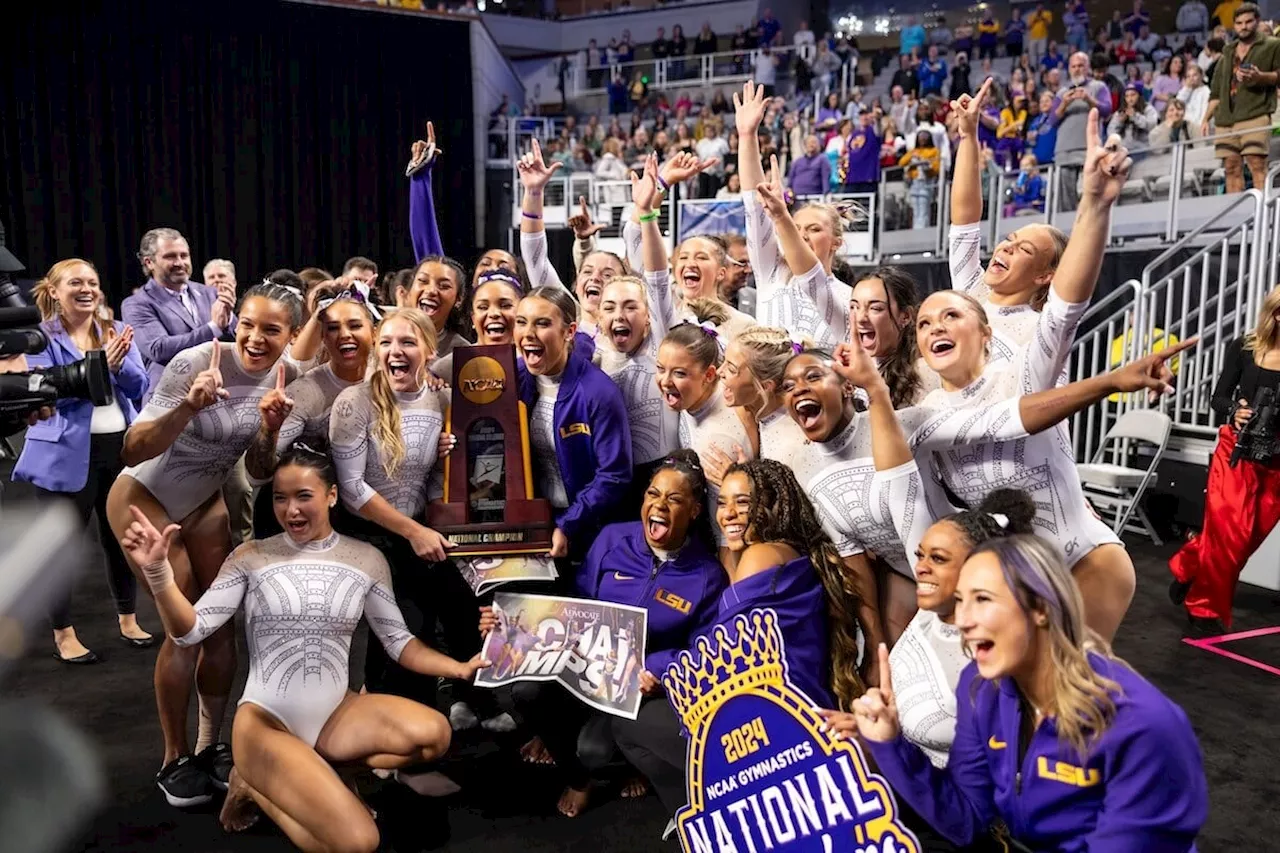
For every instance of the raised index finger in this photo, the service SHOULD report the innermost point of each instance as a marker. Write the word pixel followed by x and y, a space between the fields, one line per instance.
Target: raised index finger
pixel 280 383
pixel 886 678
pixel 981 98
pixel 1092 138
pixel 216 358
pixel 1169 352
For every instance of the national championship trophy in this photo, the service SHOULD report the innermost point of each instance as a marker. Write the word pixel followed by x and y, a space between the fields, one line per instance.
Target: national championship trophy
pixel 488 507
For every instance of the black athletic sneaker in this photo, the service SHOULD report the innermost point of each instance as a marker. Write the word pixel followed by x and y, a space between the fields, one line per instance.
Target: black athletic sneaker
pixel 215 761
pixel 184 783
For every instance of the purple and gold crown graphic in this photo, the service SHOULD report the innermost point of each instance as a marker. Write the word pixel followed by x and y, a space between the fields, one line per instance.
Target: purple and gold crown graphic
pixel 724 664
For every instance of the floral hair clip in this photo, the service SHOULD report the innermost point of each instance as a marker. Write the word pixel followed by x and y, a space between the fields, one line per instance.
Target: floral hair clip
pixel 357 292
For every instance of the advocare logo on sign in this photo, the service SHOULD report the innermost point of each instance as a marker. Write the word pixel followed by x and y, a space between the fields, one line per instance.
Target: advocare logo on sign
pixel 762 776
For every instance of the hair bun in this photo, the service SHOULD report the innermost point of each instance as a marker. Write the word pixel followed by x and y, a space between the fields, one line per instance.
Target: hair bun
pixel 1015 506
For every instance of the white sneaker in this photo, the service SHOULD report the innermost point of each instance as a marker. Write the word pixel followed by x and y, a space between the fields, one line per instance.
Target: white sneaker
pixel 461 717
pixel 670 830
pixel 501 724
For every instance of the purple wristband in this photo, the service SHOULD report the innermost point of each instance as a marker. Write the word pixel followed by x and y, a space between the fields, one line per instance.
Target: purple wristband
pixel 665 186
pixel 527 215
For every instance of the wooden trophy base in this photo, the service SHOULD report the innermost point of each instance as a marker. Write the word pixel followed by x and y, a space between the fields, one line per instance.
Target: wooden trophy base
pixel 525 530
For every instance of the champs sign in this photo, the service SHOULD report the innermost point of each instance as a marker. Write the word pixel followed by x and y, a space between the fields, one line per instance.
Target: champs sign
pixel 762 776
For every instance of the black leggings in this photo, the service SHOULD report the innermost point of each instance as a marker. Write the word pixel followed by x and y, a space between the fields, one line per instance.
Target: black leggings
pixel 104 465
pixel 655 746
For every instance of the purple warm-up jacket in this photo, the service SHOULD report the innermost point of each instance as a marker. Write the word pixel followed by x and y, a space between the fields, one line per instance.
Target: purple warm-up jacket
pixel 681 594
pixel 1142 786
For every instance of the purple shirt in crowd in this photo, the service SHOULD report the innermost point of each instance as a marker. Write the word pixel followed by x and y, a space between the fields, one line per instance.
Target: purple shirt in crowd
pixel 811 175
pixel 864 157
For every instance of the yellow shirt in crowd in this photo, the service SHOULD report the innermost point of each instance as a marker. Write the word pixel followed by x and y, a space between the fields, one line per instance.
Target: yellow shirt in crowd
pixel 1038 24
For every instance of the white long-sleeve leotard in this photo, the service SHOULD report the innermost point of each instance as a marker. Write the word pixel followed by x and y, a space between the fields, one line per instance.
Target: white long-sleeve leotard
pixel 313 395
pixel 714 424
pixel 781 438
pixel 541 272
pixel 196 465
pixel 358 455
pixel 654 426
pixel 855 502
pixel 813 305
pixel 302 603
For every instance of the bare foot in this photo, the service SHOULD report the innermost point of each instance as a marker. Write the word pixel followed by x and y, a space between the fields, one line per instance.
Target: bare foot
pixel 535 752
pixel 239 811
pixel 636 786
pixel 573 802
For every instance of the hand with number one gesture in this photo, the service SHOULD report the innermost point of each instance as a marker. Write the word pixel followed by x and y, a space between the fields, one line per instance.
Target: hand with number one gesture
pixel 207 388
pixel 275 405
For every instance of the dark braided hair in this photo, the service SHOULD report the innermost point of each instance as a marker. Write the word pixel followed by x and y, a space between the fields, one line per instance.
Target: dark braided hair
pixel 781 512
pixel 287 295
pixel 979 525
pixel 899 367
pixel 686 463
pixel 458 319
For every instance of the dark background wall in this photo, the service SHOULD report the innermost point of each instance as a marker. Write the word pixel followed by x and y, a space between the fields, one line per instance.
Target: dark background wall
pixel 273 134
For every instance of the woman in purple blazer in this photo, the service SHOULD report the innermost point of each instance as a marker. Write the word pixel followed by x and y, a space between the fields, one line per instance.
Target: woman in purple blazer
pixel 76 454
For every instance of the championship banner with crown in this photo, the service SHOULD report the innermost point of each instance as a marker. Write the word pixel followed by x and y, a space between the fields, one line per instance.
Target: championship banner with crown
pixel 762 775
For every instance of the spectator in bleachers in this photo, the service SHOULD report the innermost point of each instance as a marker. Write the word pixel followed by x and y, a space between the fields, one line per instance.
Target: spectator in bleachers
pixel 905 77
pixel 1176 127
pixel 829 114
pixel 1194 95
pixel 912 39
pixel 626 49
pixel 1134 120
pixel 1028 188
pixel 1126 51
pixel 941 35
pixel 1137 19
pixel 1014 33
pixel 921 167
pixel 712 146
pixel 1042 132
pixel 1104 44
pixel 765 70
pixel 804 39
pixel 963 40
pixel 1115 27
pixel 1071 107
pixel 961 83
pixel 719 103
pixel 660 48
pixel 1193 17
pixel 811 172
pixel 826 67
pixel 859 168
pixel 1038 23
pixel 855 107
pixel 679 46
pixel 892 143
pixel 1168 83
pixel 1225 12
pixel 1053 79
pixel 639 91
pixel 1242 97
pixel 707 42
pixel 1076 21
pixel 988 34
pixel 740 44
pixel 1052 58
pixel 1210 55
pixel 731 190
pixel 928 119
pixel 619 100
pixel 1011 132
pixel 731 156
pixel 1146 41
pixel 769 27
pixel 1132 77
pixel 902 106
pixel 1161 52
pixel 932 73
pixel 595 66
pixel 1101 70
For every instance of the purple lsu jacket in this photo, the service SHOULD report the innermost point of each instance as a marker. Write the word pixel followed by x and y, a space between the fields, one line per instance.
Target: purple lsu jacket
pixel 1142 787
pixel 681 594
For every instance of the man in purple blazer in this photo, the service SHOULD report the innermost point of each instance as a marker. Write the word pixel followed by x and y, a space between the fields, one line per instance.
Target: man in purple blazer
pixel 172 313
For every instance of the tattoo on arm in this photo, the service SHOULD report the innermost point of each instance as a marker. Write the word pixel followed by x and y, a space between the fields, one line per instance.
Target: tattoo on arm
pixel 260 458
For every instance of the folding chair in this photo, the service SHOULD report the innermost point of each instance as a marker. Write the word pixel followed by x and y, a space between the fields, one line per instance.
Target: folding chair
pixel 1119 488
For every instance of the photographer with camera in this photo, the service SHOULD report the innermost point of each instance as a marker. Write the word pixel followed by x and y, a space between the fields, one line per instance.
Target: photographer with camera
pixel 75 454
pixel 1242 499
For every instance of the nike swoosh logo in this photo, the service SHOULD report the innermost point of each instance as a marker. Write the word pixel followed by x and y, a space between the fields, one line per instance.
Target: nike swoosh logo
pixel 619 576
pixel 995 744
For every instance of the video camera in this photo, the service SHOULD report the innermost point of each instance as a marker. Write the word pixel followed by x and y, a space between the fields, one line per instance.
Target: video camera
pixel 20 334
pixel 1259 441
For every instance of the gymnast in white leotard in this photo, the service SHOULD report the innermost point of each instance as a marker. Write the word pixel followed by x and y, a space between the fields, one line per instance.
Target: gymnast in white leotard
pixel 199 421
pixel 303 592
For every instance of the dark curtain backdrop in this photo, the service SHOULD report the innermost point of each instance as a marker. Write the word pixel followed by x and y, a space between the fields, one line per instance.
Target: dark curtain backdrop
pixel 274 134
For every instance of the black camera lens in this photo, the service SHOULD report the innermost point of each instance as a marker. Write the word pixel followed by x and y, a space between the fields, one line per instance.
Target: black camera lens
pixel 87 379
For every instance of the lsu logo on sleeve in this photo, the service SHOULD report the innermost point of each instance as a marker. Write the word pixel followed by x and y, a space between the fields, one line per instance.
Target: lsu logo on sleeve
pixel 761 774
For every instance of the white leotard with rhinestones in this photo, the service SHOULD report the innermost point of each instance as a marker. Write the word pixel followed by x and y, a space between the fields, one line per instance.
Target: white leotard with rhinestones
pixel 855 503
pixel 714 424
pixel 781 438
pixel 813 305
pixel 357 454
pixel 302 603
pixel 313 395
pixel 653 425
pixel 196 465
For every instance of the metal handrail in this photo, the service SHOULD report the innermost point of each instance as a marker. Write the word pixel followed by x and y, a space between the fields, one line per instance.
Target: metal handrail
pixel 1252 196
pixel 1091 356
